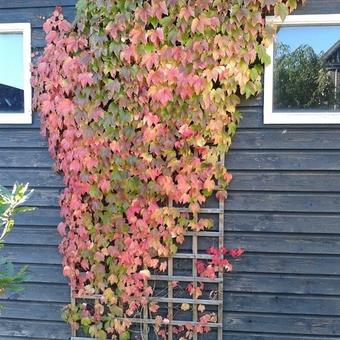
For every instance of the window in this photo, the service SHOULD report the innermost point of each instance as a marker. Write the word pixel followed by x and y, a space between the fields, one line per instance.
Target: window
pixel 302 82
pixel 15 87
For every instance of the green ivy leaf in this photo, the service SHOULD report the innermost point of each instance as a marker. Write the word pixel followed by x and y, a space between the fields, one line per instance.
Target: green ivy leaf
pixel 262 53
pixel 125 336
pixel 281 10
pixel 81 6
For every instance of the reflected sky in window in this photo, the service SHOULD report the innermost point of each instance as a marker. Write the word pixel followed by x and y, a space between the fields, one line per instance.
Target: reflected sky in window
pixel 321 38
pixel 11 60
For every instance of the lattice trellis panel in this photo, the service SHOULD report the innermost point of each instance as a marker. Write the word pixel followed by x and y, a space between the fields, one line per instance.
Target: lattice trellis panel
pixel 182 270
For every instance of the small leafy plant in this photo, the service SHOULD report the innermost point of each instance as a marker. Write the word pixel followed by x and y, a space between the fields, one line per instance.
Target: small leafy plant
pixel 11 203
pixel 9 279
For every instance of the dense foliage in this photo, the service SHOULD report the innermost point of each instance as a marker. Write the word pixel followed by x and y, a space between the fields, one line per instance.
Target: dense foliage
pixel 11 203
pixel 138 100
pixel 301 80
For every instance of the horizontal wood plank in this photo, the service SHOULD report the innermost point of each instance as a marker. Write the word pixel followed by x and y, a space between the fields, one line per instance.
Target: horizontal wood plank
pixel 280 201
pixel 286 138
pixel 40 292
pixel 21 138
pixel 287 264
pixel 283 160
pixel 35 177
pixel 281 304
pixel 39 217
pixel 38 329
pixel 283 181
pixel 29 158
pixel 32 254
pixel 283 284
pixel 45 198
pixel 291 244
pixel 33 236
pixel 282 222
pixel 282 324
pixel 43 273
pixel 45 311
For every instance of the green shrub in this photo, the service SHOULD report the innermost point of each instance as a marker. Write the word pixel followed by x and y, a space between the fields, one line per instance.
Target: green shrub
pixel 11 203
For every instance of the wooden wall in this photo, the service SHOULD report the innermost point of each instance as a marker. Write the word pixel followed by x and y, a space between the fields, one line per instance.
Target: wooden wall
pixel 283 207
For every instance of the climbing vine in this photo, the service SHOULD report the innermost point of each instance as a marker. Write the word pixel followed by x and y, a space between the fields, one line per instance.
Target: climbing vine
pixel 139 100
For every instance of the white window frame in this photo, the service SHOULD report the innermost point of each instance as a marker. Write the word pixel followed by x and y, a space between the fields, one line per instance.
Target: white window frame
pixel 270 117
pixel 26 116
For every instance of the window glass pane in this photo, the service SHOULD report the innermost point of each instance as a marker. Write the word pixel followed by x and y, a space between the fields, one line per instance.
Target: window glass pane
pixel 11 73
pixel 307 69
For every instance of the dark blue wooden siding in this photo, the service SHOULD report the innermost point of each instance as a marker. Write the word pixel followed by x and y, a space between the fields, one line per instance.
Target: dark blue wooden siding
pixel 283 207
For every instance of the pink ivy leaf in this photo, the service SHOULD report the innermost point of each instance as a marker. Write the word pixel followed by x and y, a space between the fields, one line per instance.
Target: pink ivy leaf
pixel 186 131
pixel 163 95
pixel 65 107
pixel 236 252
pixel 51 37
pixel 221 195
pixel 163 266
pixel 85 78
pixel 62 228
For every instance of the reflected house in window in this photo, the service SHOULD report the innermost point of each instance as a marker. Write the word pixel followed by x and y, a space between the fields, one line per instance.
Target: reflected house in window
pixel 331 60
pixel 11 99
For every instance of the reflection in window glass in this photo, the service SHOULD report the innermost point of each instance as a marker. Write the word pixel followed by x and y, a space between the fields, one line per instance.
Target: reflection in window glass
pixel 11 73
pixel 307 69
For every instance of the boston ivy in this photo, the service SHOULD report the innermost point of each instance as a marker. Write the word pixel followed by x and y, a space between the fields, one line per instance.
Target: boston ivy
pixel 139 100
